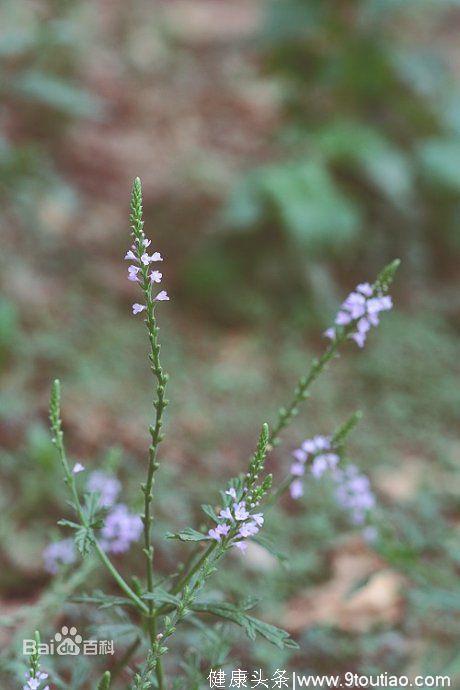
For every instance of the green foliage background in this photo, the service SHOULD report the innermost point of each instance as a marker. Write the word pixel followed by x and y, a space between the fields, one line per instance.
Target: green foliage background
pixel 266 221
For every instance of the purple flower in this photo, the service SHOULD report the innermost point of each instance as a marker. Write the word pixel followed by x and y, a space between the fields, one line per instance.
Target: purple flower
pixel 365 289
pixel 130 256
pixel 226 514
pixel 240 511
pixel 296 489
pixel 231 492
pixel 258 519
pixel 155 277
pixel 353 493
pixel 148 259
pixel 297 469
pixel 219 532
pixel 137 308
pixel 342 318
pixel 300 454
pixel 248 529
pixel 34 682
pixel 59 553
pixel 121 528
pixel 78 467
pixel 106 486
pixel 362 307
pixel 162 296
pixel 323 463
pixel 241 545
pixel 132 273
pixel 359 338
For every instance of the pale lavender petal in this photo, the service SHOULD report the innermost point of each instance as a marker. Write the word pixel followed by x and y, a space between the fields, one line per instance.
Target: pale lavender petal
pixel 297 469
pixel 300 454
pixel 296 489
pixel 343 318
pixel 365 289
pixel 162 296
pixel 137 308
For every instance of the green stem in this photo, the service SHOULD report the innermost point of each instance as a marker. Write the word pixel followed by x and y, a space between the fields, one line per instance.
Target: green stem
pixel 159 404
pixel 286 414
pixel 69 479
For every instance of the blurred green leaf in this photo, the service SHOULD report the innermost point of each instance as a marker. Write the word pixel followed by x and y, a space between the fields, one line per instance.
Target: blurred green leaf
pixel 58 94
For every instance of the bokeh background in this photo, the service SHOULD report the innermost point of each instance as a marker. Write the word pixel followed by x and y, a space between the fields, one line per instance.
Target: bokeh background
pixel 288 149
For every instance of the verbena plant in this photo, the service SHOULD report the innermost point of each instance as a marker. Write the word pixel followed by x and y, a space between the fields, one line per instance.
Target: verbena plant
pixel 159 604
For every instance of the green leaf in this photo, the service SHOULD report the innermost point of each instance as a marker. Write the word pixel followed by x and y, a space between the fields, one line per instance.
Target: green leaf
pixel 209 511
pixel 83 540
pixel 310 205
pixel 188 534
pixel 251 626
pixel 268 546
pixel 104 683
pixel 58 94
pixel 385 166
pixel 103 601
pixel 440 160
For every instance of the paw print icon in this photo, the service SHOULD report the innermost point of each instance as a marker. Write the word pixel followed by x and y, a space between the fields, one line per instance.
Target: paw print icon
pixel 68 641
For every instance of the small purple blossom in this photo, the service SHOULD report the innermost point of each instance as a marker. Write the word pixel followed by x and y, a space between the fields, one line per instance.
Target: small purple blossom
pixel 319 451
pixel 218 532
pixel 226 514
pixel 324 462
pixel 34 682
pixel 258 519
pixel 132 273
pixel 78 467
pixel 240 511
pixel 162 296
pixel 353 493
pixel 121 528
pixel 231 492
pixel 107 486
pixel 248 529
pixel 59 553
pixel 130 256
pixel 137 308
pixel 155 277
pixel 300 454
pixel 296 489
pixel 297 469
pixel 361 309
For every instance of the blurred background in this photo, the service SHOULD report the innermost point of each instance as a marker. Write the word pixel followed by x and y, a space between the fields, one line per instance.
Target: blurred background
pixel 288 150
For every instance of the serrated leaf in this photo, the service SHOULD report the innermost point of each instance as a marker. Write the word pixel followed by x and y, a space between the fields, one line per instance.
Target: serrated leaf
pixel 209 511
pixel 102 600
pixel 188 534
pixel 83 540
pixel 251 625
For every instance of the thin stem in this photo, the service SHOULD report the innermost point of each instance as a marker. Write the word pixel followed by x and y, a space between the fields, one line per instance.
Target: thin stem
pixel 159 404
pixel 69 479
pixel 286 414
